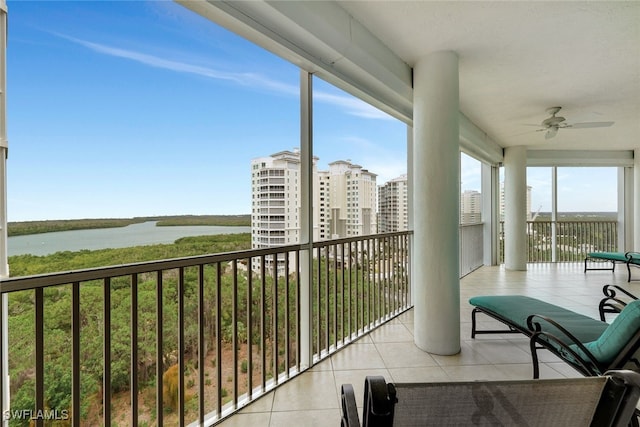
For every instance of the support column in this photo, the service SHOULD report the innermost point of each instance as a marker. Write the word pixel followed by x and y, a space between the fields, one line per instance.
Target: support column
pixel 554 213
pixel 436 152
pixel 306 217
pixel 490 209
pixel 4 256
pixel 515 208
pixel 410 204
pixel 635 222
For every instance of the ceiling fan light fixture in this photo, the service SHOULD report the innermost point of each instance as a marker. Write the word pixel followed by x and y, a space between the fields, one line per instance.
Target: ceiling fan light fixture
pixel 553 123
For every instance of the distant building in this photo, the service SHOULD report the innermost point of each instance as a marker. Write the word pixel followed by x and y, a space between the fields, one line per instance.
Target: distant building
pixel 275 204
pixel 393 209
pixel 344 200
pixel 470 207
pixel 529 212
pixel 352 200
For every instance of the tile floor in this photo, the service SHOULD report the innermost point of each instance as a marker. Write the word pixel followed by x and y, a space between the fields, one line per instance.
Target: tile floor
pixel 312 398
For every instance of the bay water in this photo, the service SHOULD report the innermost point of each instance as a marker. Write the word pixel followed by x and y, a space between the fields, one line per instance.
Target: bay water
pixel 146 233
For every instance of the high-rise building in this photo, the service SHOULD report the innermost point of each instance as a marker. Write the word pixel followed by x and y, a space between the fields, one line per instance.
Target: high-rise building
pixel 344 200
pixel 470 207
pixel 530 214
pixel 275 204
pixel 392 206
pixel 352 200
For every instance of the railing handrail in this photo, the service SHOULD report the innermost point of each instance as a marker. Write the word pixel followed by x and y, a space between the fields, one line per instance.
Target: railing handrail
pixel 20 283
pixel 547 239
pixel 354 285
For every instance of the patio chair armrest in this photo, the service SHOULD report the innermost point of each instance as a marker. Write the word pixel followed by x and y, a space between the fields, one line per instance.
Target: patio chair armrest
pixel 379 402
pixel 349 408
pixel 610 290
pixel 627 375
pixel 612 303
pixel 632 257
pixel 560 345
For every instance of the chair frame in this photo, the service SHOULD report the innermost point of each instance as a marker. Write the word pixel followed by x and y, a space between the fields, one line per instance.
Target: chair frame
pixel 632 259
pixel 616 406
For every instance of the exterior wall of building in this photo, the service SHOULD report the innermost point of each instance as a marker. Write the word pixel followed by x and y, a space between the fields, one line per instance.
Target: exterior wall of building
pixel 276 202
pixel 530 214
pixel 470 207
pixel 353 200
pixel 393 212
pixel 344 200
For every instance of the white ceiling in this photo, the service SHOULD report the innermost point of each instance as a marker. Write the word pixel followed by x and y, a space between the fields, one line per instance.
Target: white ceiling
pixel 519 58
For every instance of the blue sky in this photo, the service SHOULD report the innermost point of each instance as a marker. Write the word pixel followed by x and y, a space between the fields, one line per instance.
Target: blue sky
pixel 133 108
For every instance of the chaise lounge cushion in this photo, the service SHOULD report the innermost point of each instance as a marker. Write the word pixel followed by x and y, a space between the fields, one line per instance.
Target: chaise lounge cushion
pixel 517 308
pixel 615 336
pixel 610 256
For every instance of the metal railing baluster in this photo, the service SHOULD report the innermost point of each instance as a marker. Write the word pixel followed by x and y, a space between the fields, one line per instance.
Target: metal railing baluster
pixel 159 349
pixel 347 303
pixel 39 332
pixel 181 350
pixel 75 354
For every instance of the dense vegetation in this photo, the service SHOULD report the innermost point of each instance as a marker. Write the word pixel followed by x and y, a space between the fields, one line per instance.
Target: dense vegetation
pixel 35 227
pixel 252 314
pixel 58 322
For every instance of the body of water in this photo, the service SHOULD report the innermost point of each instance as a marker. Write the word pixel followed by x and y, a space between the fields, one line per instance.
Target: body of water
pixel 145 233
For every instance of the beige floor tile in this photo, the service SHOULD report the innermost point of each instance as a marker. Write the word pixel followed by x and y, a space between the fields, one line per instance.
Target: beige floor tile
pixel 313 418
pixel 361 356
pixel 244 420
pixel 500 351
pixel 396 332
pixel 467 356
pixel 404 355
pixel 564 369
pixel 418 375
pixel 311 390
pixel 324 365
pixel 474 373
pixel 263 404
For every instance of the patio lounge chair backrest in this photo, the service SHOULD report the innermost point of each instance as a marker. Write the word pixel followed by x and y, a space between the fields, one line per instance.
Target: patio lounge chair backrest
pixel 565 403
pixel 608 400
pixel 613 340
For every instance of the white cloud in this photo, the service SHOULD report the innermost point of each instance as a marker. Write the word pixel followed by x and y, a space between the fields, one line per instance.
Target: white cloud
pixel 350 105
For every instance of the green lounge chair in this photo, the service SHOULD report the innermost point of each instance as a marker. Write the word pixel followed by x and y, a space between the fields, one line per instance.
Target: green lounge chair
pixel 628 258
pixel 589 345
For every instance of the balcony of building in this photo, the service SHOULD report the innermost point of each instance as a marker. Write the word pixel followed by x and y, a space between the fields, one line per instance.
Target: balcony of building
pixel 313 398
pixel 262 337
pixel 267 336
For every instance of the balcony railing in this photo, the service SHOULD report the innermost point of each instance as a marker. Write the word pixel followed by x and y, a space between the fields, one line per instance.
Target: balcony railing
pixel 192 340
pixel 471 248
pixel 566 241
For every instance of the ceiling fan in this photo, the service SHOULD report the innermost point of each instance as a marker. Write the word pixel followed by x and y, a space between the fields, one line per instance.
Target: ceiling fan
pixel 553 123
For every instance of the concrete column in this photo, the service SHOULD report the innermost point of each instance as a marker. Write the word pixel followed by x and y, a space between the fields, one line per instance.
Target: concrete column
pixel 410 205
pixel 515 208
pixel 436 194
pixel 4 264
pixel 635 221
pixel 490 209
pixel 306 217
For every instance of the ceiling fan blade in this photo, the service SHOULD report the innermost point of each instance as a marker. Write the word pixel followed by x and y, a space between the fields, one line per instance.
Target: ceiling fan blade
pixel 590 125
pixel 551 133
